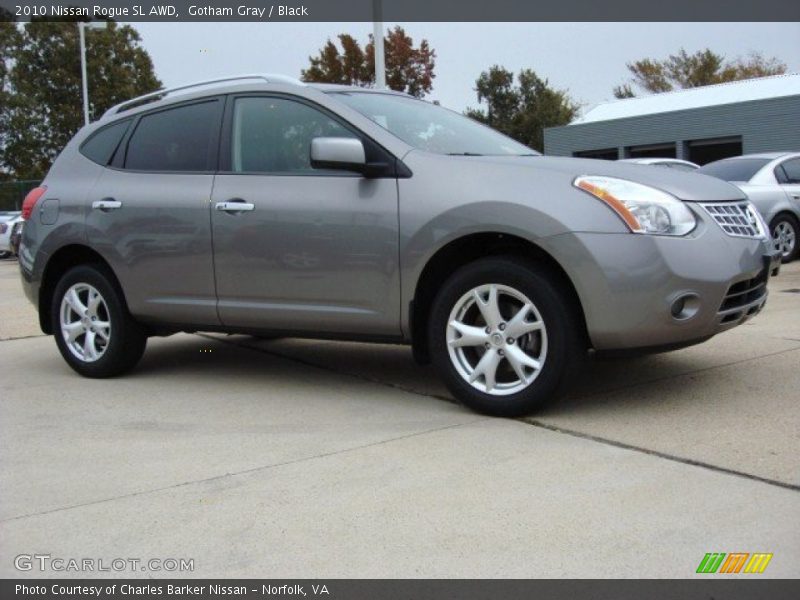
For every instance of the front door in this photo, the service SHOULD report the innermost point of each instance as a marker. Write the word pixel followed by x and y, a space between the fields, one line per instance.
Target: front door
pixel 299 249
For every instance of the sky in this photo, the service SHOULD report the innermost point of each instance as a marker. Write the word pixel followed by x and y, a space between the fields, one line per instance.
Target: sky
pixel 586 59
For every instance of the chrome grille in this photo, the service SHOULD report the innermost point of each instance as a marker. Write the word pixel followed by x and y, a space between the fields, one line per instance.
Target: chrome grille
pixel 738 219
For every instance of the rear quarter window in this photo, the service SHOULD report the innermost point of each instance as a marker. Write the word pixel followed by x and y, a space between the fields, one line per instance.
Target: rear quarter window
pixel 101 145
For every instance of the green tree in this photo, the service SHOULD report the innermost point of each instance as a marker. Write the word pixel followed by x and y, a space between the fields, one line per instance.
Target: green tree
pixel 408 68
pixel 521 110
pixel 9 40
pixel 44 102
pixel 684 70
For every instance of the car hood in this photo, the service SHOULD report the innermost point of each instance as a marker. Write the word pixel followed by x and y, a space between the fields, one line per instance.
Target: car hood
pixel 692 187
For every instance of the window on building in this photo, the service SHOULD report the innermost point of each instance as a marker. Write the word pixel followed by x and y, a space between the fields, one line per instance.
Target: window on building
pixel 702 152
pixel 653 151
pixel 603 154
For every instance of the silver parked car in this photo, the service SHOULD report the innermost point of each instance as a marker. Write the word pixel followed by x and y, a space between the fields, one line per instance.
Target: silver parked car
pixel 670 163
pixel 262 205
pixel 771 182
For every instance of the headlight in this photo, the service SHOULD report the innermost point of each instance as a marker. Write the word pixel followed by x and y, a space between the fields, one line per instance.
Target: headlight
pixel 643 209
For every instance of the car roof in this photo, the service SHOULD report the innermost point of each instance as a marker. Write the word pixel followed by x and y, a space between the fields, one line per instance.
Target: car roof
pixel 763 155
pixel 224 85
pixel 653 159
pixel 337 87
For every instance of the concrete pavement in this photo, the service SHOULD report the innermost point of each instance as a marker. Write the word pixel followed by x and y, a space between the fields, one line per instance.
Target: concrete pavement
pixel 297 458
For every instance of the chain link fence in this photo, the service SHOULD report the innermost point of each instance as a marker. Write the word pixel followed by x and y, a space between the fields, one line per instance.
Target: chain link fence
pixel 12 193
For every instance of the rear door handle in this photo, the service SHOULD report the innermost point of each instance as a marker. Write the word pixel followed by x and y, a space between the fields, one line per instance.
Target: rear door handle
pixel 106 204
pixel 235 205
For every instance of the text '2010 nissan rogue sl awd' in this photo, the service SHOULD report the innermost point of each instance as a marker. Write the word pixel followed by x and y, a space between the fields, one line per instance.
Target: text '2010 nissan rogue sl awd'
pixel 262 205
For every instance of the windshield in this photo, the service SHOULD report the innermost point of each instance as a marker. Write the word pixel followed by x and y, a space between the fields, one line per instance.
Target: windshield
pixel 430 127
pixel 734 169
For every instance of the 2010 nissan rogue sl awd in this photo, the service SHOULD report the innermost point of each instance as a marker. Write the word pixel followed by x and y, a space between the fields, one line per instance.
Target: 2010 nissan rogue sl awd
pixel 262 205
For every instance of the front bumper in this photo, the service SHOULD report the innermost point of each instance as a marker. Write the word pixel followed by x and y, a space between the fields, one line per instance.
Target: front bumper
pixel 656 292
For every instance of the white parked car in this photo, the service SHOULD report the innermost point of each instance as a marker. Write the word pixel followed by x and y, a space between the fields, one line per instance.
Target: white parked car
pixel 670 163
pixel 7 222
pixel 772 182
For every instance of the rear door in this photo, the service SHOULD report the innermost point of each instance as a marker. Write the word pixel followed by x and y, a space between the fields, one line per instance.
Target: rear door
pixel 148 214
pixel 310 250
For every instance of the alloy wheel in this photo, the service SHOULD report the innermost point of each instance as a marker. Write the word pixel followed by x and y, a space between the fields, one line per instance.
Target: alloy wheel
pixel 85 322
pixel 784 237
pixel 496 339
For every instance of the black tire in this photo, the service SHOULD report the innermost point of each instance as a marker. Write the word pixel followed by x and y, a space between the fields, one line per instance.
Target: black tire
pixel 566 348
pixel 127 339
pixel 789 220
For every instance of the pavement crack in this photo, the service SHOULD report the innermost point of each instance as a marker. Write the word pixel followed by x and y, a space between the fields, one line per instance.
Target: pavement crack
pixel 240 473
pixel 685 374
pixel 23 337
pixel 659 454
pixel 553 428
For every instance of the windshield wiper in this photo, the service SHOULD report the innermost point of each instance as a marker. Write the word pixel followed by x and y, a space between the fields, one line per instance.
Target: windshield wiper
pixel 463 154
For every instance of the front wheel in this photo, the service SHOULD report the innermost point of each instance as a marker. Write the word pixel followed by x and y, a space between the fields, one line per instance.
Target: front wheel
pixel 785 232
pixel 93 329
pixel 503 337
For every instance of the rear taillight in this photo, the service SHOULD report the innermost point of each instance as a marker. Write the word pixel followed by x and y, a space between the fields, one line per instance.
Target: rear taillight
pixel 30 201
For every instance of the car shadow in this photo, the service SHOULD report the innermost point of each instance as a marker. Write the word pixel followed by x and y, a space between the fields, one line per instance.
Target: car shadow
pixel 600 381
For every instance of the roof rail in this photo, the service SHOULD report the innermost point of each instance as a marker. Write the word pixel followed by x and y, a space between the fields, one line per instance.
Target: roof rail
pixel 158 94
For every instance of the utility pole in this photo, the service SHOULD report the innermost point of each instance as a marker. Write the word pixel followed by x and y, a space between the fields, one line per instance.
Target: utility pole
pixel 84 79
pixel 377 36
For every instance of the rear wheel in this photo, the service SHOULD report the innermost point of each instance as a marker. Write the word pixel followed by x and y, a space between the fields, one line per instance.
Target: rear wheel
pixel 93 329
pixel 785 232
pixel 503 337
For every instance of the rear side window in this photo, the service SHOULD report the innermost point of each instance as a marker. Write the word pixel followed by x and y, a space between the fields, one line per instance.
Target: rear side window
pixel 789 171
pixel 178 139
pixel 101 146
pixel 734 169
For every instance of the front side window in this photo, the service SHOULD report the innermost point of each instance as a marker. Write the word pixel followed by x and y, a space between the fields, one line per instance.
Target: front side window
pixel 273 135
pixel 430 127
pixel 177 139
pixel 100 147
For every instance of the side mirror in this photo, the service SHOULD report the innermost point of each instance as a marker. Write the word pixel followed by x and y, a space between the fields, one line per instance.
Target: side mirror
pixel 338 153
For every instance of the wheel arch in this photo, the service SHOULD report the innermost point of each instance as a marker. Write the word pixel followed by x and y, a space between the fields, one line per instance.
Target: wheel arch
pixel 468 248
pixel 61 261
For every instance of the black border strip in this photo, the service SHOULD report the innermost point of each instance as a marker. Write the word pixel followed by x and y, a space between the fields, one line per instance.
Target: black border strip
pixel 739 588
pixel 410 10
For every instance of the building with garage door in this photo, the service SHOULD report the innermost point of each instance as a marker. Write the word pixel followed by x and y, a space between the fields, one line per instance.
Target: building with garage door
pixel 700 124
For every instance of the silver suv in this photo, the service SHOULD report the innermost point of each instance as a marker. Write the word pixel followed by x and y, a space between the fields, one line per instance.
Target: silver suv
pixel 264 206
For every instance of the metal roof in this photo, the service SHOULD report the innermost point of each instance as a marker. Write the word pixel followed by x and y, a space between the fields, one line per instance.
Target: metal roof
pixel 710 95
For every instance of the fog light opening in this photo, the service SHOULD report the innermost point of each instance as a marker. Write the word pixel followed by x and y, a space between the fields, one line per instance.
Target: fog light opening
pixel 685 306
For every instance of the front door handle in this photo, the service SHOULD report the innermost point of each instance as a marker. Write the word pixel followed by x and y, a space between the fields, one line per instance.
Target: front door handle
pixel 106 204
pixel 235 205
